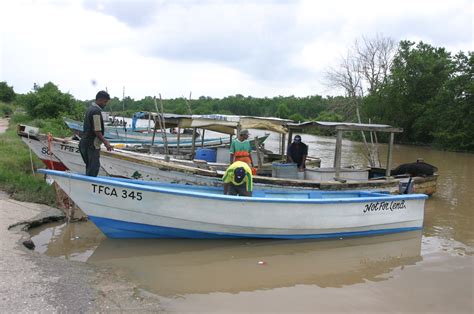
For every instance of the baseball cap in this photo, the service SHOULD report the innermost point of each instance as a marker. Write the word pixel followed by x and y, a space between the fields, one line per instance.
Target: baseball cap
pixel 297 138
pixel 244 132
pixel 239 174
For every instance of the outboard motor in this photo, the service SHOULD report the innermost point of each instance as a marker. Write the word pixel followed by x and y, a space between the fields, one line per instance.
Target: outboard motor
pixel 406 187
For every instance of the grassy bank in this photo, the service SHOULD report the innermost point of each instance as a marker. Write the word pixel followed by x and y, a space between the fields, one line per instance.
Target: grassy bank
pixel 16 176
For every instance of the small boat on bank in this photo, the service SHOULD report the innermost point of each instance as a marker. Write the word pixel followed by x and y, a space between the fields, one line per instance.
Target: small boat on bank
pixel 128 136
pixel 123 208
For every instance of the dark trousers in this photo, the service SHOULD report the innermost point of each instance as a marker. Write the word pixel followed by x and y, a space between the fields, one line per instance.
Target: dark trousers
pixel 90 156
pixel 240 190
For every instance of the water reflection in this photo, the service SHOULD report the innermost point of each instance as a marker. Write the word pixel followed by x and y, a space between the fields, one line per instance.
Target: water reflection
pixel 75 241
pixel 176 266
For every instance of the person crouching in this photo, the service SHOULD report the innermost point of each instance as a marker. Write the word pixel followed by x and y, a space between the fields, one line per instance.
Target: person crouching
pixel 238 179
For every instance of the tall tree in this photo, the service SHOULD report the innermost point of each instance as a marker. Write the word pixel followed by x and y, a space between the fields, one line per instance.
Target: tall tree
pixel 374 58
pixel 454 107
pixel 7 94
pixel 364 69
pixel 407 100
pixel 48 101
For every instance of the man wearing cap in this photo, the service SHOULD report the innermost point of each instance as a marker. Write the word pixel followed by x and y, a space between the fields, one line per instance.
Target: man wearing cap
pixel 297 152
pixel 93 135
pixel 238 179
pixel 240 148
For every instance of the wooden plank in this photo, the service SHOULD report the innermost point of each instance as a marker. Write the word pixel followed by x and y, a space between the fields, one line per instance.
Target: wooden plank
pixel 193 145
pixel 337 154
pixel 389 155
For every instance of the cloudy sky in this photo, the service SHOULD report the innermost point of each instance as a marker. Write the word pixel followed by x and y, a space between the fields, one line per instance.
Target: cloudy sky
pixel 211 48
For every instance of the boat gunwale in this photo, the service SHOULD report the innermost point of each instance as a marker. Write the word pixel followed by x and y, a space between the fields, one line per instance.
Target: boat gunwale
pixel 146 186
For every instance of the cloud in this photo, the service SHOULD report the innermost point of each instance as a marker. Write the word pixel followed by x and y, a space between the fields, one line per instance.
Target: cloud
pixel 213 48
pixel 136 13
pixel 257 39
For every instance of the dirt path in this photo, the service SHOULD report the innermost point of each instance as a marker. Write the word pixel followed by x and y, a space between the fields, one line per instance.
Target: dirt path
pixel 3 124
pixel 32 282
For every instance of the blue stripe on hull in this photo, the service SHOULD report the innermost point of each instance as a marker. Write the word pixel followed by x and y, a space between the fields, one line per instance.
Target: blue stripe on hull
pixel 122 229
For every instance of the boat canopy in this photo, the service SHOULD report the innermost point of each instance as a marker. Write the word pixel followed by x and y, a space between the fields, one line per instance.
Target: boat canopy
pixel 340 127
pixel 345 126
pixel 224 123
pixel 229 123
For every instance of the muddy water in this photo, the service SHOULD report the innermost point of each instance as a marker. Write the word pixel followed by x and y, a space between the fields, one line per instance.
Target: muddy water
pixel 427 271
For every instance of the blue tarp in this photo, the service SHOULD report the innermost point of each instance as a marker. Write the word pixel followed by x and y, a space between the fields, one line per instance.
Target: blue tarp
pixel 135 117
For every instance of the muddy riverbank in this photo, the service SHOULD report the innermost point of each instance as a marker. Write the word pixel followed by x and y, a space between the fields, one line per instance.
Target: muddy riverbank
pixel 33 282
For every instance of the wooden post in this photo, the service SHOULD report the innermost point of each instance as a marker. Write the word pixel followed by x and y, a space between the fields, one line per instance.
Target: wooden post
pixel 179 138
pixel 202 137
pixel 337 155
pixel 154 133
pixel 193 146
pixel 149 121
pixel 163 126
pixel 282 148
pixel 290 137
pixel 259 153
pixel 389 155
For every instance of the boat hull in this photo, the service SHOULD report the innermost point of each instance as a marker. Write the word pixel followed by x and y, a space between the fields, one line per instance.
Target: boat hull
pixel 42 151
pixel 125 230
pixel 123 209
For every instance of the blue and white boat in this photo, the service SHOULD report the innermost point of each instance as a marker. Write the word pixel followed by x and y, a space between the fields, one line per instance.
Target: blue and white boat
pixel 128 136
pixel 123 208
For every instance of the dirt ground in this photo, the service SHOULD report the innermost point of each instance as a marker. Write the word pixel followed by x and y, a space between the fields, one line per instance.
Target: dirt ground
pixel 32 282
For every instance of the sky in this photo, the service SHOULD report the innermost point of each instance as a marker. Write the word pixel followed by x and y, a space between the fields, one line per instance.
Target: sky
pixel 210 48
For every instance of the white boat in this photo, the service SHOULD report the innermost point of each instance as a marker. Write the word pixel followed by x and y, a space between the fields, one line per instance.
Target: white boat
pixel 123 208
pixel 56 154
pixel 43 153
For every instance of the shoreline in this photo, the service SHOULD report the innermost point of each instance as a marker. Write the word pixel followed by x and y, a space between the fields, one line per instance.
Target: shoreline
pixel 34 282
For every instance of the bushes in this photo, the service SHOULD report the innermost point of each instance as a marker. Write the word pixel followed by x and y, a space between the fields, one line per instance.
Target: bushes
pixel 5 110
pixel 48 102
pixel 15 171
pixel 7 94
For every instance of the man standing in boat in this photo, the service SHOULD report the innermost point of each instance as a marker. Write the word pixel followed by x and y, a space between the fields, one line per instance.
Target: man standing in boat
pixel 240 148
pixel 93 136
pixel 238 179
pixel 297 153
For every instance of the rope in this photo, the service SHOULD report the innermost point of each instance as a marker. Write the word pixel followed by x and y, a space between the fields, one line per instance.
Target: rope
pixel 31 157
pixel 50 150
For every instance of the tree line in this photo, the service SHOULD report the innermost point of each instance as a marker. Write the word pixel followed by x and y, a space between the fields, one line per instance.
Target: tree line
pixel 423 89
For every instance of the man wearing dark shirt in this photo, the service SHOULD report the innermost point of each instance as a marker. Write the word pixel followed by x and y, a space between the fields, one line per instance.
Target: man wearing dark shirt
pixel 297 152
pixel 93 136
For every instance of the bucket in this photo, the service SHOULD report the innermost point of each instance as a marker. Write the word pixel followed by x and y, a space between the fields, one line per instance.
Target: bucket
pixel 301 175
pixel 207 154
pixel 406 187
pixel 281 170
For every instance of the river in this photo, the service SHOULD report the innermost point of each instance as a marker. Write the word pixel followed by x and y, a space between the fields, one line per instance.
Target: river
pixel 426 271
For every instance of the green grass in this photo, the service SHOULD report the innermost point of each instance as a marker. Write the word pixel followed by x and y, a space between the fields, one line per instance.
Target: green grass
pixel 16 176
pixel 6 110
pixel 56 126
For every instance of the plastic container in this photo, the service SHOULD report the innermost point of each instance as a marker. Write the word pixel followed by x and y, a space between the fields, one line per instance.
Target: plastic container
pixel 207 154
pixel 301 175
pixel 406 187
pixel 281 170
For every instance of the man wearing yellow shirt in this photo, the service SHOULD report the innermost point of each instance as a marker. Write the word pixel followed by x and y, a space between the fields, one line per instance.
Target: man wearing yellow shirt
pixel 238 179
